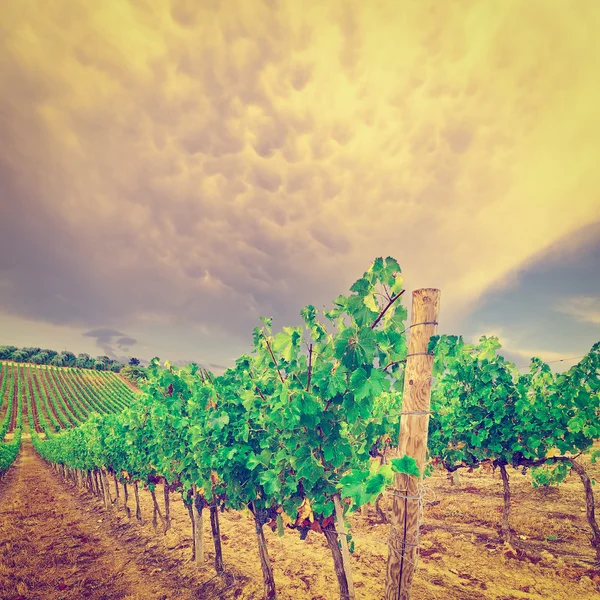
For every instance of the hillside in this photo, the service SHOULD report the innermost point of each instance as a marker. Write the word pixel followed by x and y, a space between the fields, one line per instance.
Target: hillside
pixel 57 397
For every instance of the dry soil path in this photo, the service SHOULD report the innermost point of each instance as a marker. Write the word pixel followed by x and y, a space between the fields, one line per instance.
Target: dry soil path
pixel 54 546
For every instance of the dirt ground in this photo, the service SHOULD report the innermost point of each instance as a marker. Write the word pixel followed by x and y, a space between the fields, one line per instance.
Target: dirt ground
pixel 55 544
pixel 58 542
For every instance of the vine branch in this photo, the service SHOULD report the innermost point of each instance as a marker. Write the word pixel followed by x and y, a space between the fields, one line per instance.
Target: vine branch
pixel 309 367
pixel 382 313
pixel 391 364
pixel 273 357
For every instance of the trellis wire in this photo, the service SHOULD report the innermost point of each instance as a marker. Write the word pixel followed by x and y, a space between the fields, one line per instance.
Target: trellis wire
pixel 423 489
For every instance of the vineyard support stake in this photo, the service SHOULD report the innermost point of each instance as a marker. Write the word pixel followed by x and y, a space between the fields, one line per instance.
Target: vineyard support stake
pixel 403 549
pixel 106 489
pixel 189 505
pixel 95 484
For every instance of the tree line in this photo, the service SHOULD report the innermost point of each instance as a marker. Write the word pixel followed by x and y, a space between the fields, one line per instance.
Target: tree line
pixel 43 356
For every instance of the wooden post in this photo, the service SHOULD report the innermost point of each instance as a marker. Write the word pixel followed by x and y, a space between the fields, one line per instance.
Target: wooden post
pixel 414 423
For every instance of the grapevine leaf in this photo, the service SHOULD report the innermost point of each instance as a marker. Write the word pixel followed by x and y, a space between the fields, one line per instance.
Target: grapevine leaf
pixel 406 465
pixel 270 482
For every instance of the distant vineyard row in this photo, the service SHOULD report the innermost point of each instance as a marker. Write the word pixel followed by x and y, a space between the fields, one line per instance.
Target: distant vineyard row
pixel 55 399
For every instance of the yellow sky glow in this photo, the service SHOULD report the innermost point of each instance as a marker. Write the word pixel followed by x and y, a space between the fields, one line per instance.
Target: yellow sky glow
pixel 247 149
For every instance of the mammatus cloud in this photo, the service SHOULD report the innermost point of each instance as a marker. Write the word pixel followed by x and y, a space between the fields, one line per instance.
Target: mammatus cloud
pixel 197 165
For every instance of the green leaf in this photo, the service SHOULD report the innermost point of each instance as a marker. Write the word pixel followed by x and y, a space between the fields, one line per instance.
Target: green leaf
pixel 397 285
pixel 363 386
pixel 356 347
pixel 375 485
pixel 310 404
pixel 253 462
pixel 286 343
pixel 371 303
pixel 270 482
pixel 406 465
pixel 248 397
pixel 377 267
pixel 245 432
pixel 361 287
pixel 353 486
pixel 360 384
pixel 309 314
pixel 221 421
pixel 378 382
pixel 336 383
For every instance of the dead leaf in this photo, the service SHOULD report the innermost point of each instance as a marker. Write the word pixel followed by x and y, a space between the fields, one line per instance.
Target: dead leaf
pixel 305 512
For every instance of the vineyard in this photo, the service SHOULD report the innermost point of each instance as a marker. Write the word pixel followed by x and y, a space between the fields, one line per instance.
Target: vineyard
pixel 51 399
pixel 292 454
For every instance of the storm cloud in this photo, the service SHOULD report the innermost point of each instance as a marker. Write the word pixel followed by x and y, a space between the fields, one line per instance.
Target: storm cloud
pixel 111 340
pixel 188 167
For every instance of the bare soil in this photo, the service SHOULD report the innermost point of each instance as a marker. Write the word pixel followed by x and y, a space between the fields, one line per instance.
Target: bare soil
pixel 15 410
pixel 58 542
pixel 56 545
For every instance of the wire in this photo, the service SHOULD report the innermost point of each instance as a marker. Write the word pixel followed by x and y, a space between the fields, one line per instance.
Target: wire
pixel 549 362
pixel 422 491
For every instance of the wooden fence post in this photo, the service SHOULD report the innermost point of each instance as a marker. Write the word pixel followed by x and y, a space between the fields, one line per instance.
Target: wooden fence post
pixel 414 423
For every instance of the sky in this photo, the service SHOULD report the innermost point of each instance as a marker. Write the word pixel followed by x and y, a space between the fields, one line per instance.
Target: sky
pixel 172 170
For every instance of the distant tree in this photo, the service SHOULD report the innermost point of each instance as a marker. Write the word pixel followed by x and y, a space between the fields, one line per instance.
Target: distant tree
pixel 6 352
pixel 68 358
pixel 134 362
pixel 45 356
pixel 84 361
pixel 41 358
pixel 99 365
pixel 20 356
pixel 57 360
